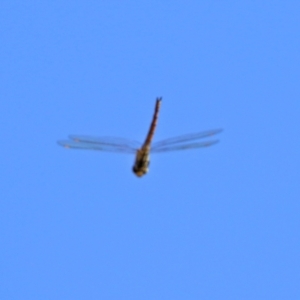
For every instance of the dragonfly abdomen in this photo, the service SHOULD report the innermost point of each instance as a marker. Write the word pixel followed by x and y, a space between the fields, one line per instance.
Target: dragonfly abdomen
pixel 153 123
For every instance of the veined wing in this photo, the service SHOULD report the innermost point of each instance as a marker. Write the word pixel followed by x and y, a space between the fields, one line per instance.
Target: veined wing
pixel 111 144
pixel 184 142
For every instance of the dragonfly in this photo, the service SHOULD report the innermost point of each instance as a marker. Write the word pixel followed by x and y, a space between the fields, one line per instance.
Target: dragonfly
pixel 142 152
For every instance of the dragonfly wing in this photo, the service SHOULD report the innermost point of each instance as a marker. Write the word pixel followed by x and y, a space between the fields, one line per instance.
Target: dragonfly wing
pixel 185 138
pixel 100 144
pixel 184 146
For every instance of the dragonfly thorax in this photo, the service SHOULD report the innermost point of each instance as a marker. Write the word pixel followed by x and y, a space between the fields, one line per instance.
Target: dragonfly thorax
pixel 142 161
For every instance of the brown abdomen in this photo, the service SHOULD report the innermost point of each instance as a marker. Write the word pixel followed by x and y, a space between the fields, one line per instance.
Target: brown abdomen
pixel 153 124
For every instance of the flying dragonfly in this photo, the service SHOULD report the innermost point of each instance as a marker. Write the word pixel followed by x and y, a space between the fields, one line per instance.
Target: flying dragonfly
pixel 142 152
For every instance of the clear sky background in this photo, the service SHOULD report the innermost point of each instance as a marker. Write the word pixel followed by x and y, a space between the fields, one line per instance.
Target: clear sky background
pixel 215 223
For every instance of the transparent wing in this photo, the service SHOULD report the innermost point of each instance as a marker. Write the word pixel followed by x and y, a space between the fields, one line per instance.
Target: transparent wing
pixel 184 142
pixel 110 144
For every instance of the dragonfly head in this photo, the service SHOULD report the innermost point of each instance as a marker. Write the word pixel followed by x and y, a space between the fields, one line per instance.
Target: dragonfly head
pixel 141 163
pixel 139 172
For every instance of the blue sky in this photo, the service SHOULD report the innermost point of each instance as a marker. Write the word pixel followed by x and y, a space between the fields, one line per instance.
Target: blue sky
pixel 216 223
